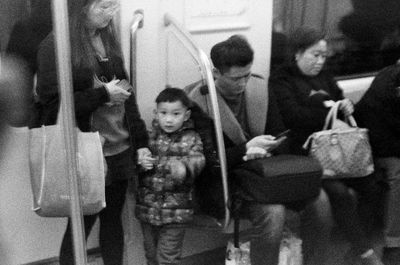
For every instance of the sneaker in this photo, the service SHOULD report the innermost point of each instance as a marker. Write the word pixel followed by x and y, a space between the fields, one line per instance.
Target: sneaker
pixel 372 259
pixel 391 256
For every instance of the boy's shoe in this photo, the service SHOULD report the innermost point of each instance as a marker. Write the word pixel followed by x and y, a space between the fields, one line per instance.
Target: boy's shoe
pixel 391 256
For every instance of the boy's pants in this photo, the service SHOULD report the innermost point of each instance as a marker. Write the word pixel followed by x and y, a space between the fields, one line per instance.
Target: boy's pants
pixel 162 244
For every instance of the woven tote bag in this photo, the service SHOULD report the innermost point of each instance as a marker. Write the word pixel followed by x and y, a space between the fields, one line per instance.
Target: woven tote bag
pixel 49 171
pixel 343 150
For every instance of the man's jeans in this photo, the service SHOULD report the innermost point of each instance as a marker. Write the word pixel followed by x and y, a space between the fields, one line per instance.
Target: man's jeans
pixel 268 222
pixel 391 167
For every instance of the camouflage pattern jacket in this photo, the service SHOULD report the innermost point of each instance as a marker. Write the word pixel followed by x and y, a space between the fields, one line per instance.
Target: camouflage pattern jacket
pixel 165 193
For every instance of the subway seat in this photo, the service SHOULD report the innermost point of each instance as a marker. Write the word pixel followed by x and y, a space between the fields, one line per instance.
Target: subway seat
pixel 353 89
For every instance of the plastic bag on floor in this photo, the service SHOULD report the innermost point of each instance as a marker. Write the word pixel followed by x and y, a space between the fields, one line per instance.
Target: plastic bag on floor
pixel 290 250
pixel 238 256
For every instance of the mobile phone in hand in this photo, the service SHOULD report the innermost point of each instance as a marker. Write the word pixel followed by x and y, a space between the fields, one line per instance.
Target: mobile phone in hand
pixel 282 135
pixel 280 138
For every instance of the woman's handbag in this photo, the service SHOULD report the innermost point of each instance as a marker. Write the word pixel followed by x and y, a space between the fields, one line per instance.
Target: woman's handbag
pixel 344 150
pixel 49 171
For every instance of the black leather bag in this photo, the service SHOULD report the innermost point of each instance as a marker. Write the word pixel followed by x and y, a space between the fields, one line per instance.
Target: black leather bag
pixel 279 179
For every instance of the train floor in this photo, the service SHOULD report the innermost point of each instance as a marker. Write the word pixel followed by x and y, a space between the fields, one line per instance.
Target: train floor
pixel 338 249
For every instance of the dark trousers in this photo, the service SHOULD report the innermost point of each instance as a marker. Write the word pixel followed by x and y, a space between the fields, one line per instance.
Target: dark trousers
pixel 162 244
pixel 348 209
pixel 268 222
pixel 391 168
pixel 111 237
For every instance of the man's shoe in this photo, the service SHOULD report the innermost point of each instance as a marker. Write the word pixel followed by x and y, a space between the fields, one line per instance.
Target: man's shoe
pixel 391 256
pixel 372 259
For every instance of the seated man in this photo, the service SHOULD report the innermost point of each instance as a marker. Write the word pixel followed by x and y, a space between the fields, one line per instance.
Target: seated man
pixel 250 117
pixel 379 111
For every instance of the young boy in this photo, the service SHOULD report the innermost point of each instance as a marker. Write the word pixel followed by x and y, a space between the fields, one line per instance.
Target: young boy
pixel 164 203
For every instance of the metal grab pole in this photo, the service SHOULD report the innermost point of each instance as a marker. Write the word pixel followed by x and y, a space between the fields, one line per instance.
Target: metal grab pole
pixel 205 65
pixel 136 24
pixel 63 54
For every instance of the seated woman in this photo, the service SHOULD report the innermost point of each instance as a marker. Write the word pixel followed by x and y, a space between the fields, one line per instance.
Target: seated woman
pixel 304 93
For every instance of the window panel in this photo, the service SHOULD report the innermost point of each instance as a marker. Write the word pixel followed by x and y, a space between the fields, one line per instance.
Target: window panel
pixel 363 35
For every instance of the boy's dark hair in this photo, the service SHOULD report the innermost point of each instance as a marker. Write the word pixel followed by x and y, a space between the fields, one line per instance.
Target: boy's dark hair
pixel 173 94
pixel 302 39
pixel 235 51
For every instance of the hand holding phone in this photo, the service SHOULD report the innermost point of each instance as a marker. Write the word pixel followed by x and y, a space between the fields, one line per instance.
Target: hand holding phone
pixel 124 84
pixel 255 153
pixel 116 93
pixel 280 138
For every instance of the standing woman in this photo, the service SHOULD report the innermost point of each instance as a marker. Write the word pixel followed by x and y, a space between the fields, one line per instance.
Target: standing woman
pixel 305 92
pixel 104 102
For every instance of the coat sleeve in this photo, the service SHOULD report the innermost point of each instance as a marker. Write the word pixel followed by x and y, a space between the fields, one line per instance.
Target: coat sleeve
pixel 86 100
pixel 274 124
pixel 195 160
pixel 136 125
pixel 384 139
pixel 293 111
pixel 234 155
pixel 377 111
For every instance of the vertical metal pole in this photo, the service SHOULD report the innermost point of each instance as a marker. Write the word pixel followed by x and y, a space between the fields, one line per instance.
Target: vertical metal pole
pixel 63 55
pixel 303 12
pixel 137 24
pixel 325 13
pixel 205 66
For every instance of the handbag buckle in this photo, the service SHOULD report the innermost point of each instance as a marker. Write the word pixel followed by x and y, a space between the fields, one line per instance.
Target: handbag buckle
pixel 334 139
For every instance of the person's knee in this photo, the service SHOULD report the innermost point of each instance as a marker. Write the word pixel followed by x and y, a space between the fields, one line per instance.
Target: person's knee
pixel 391 169
pixel 321 201
pixel 394 180
pixel 270 221
pixel 338 192
pixel 319 211
pixel 348 197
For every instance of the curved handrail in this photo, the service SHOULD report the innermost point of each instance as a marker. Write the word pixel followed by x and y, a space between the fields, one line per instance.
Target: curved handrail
pixel 193 53
pixel 206 67
pixel 138 18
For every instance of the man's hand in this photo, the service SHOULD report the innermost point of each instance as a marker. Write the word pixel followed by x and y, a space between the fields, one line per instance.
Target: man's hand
pixel 265 142
pixel 255 153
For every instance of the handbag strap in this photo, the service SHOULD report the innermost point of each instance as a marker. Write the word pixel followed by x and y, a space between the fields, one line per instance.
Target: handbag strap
pixel 350 120
pixel 331 117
